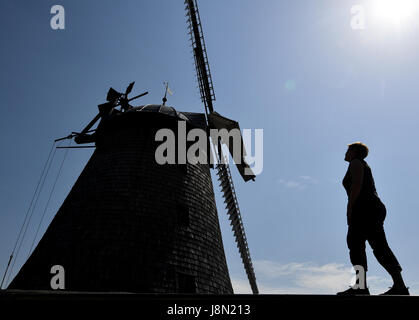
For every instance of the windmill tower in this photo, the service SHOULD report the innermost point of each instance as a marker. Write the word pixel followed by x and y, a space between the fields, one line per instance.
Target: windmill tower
pixel 130 224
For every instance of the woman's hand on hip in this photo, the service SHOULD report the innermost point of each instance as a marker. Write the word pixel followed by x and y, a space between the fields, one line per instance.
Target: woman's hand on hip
pixel 349 213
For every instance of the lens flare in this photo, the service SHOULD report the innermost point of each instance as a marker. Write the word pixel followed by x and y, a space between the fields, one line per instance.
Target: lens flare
pixel 395 11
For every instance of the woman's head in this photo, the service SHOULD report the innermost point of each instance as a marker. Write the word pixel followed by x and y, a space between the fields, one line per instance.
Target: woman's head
pixel 356 150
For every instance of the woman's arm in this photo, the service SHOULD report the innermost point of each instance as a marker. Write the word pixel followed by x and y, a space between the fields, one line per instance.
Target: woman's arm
pixel 357 175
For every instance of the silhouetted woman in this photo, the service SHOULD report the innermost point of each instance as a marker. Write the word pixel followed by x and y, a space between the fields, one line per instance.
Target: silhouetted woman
pixel 365 215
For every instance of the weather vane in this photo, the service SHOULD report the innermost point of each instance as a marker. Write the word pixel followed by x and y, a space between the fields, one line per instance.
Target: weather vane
pixel 166 91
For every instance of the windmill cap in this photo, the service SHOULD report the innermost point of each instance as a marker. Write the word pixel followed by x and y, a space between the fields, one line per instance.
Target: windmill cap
pixel 196 119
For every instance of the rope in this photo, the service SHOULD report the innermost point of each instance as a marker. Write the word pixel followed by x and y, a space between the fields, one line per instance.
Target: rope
pixel 49 198
pixel 29 212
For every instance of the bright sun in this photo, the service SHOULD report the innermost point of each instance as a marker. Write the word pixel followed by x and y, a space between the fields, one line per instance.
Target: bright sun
pixel 395 11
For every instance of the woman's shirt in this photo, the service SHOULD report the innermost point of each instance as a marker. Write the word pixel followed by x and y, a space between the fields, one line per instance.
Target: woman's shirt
pixel 368 193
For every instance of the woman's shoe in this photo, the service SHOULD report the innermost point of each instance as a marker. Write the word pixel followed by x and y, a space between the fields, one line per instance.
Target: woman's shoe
pixel 403 291
pixel 354 292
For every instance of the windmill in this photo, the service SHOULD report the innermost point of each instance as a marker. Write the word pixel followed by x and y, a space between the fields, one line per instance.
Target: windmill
pixel 130 224
pixel 216 121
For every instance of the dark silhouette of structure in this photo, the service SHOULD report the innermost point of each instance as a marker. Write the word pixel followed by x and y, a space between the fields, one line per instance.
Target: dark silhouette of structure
pixel 130 224
pixel 366 214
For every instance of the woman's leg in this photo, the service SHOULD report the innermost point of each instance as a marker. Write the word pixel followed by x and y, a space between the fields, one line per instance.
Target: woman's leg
pixel 378 242
pixel 356 244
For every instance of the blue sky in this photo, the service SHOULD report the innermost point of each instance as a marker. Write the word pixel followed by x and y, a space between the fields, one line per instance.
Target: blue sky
pixel 295 69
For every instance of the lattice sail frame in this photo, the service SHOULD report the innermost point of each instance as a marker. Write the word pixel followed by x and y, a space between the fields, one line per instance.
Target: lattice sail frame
pixel 206 89
pixel 203 71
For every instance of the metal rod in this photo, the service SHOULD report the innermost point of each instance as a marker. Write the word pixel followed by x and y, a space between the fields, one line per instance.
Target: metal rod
pixel 76 147
pixel 133 98
pixel 136 97
pixel 72 135
pixel 91 123
pixel 68 137
pixel 5 272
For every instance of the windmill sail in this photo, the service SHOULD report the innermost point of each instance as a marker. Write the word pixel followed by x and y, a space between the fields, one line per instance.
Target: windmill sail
pixel 203 73
pixel 232 205
pixel 217 121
